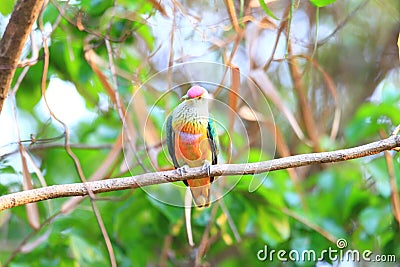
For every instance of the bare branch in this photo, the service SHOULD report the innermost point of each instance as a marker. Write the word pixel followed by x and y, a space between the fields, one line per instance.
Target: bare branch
pixel 14 38
pixel 83 189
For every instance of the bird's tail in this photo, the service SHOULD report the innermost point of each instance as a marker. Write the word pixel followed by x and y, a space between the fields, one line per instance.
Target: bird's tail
pixel 200 189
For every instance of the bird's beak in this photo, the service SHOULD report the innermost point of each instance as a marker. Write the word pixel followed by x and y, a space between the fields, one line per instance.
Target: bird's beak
pixel 185 97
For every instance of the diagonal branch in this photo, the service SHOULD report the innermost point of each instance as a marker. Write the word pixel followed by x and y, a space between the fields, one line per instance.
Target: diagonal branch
pixel 80 189
pixel 22 18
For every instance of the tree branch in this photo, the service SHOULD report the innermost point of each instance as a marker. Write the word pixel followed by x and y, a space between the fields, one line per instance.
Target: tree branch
pixel 20 25
pixel 80 189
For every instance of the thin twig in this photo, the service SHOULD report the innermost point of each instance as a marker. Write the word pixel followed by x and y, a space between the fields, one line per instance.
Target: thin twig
pixel 231 223
pixel 392 179
pixel 284 151
pixel 304 103
pixel 281 27
pixel 343 23
pixel 99 174
pixel 333 90
pixel 34 146
pixel 204 243
pixel 393 186
pixel 310 224
pixel 27 238
pixel 91 58
pixel 82 189
pixel 72 155
pixel 165 251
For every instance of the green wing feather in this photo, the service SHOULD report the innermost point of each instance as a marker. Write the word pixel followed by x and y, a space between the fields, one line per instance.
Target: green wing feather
pixel 213 139
pixel 171 142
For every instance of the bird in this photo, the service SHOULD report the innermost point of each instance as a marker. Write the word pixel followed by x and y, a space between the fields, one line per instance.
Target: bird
pixel 192 141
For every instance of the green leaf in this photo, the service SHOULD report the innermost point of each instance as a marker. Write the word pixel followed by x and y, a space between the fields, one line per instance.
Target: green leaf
pixel 171 212
pixel 145 32
pixel 376 220
pixel 256 155
pixel 96 7
pixel 84 252
pixel 378 171
pixel 370 118
pixel 274 226
pixel 267 10
pixel 163 159
pixel 6 7
pixel 322 3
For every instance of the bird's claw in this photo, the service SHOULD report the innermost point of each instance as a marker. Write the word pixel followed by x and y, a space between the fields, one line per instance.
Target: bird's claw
pixel 207 166
pixel 182 170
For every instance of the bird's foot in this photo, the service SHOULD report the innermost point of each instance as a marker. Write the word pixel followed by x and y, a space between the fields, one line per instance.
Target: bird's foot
pixel 182 170
pixel 207 166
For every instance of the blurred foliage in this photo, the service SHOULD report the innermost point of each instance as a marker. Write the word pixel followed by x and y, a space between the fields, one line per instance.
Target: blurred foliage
pixel 107 50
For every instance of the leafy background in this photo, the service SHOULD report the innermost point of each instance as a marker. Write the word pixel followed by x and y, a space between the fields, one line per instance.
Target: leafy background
pixel 328 70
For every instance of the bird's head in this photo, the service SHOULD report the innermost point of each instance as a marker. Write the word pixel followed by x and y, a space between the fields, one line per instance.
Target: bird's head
pixel 197 96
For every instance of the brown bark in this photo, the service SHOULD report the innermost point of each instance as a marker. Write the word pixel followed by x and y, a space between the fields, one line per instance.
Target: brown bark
pixel 22 18
pixel 83 189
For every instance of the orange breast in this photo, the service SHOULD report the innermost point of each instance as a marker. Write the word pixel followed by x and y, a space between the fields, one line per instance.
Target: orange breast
pixel 192 145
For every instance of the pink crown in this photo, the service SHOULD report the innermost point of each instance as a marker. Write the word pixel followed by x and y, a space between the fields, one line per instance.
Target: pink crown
pixel 196 91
